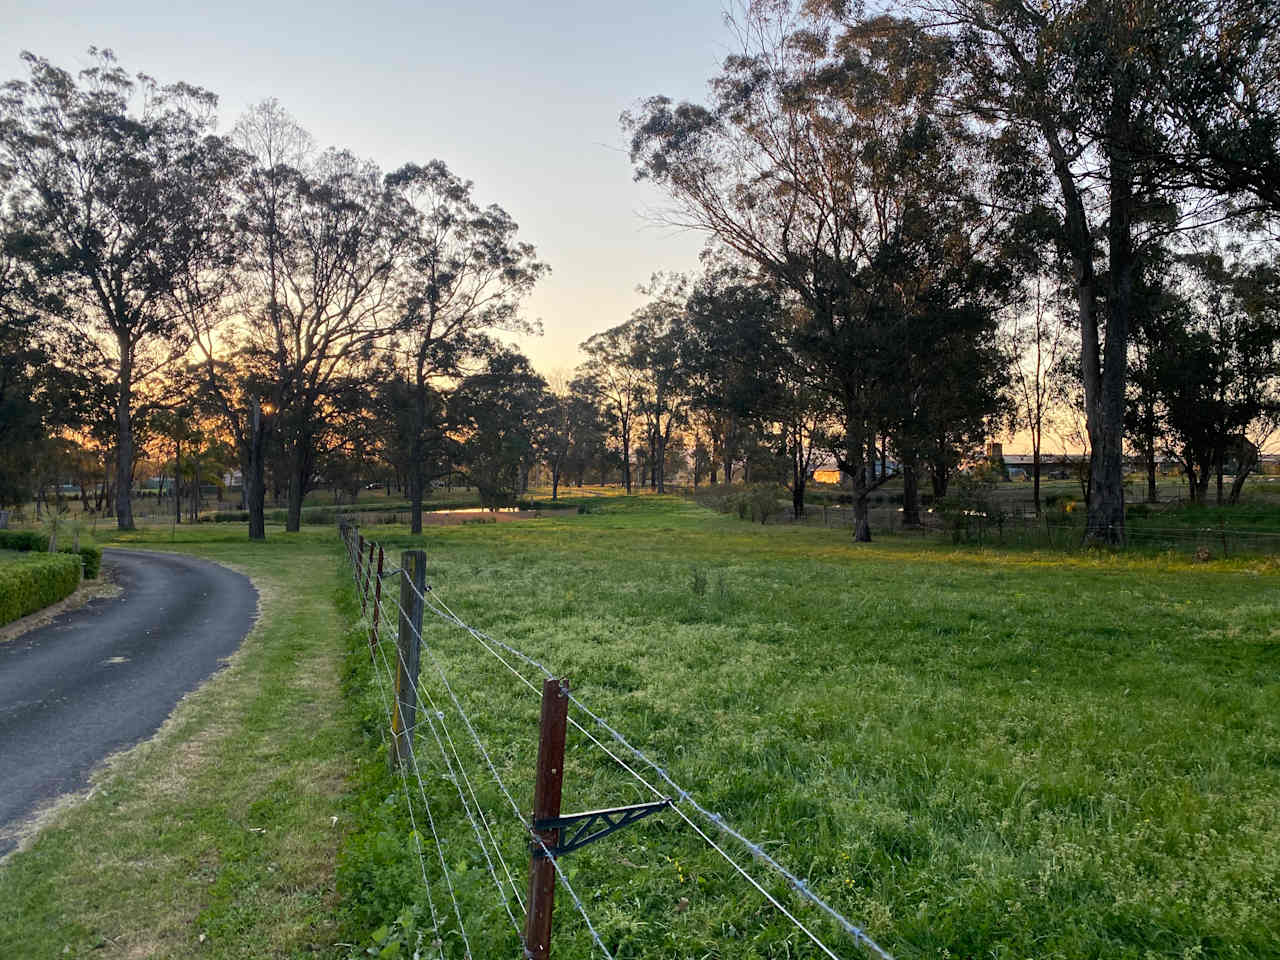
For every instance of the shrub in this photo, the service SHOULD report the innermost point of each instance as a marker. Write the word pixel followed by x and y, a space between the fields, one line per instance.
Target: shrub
pixel 231 516
pixel 36 581
pixel 765 501
pixel 31 541
pixel 23 540
pixel 698 582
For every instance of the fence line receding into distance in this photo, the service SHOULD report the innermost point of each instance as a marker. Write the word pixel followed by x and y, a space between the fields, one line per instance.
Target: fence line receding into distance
pixel 394 619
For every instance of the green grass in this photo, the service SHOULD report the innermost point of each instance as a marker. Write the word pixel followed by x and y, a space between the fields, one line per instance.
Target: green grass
pixel 971 753
pixel 215 839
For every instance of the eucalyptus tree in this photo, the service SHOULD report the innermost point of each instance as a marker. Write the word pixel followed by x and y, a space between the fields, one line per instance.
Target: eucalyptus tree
pixel 1216 368
pixel 822 144
pixel 35 391
pixel 617 383
pixel 463 274
pixel 116 175
pixel 1086 84
pixel 569 432
pixel 1219 72
pixel 1038 337
pixel 658 329
pixel 322 242
pixel 940 345
pixel 495 412
pixel 729 355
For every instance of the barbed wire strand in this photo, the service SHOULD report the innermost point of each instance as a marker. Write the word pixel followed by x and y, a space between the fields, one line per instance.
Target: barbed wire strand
pixel 410 739
pixel 443 611
pixel 384 700
pixel 475 800
pixel 797 884
pixel 493 770
pixel 413 822
pixel 457 909
pixel 658 793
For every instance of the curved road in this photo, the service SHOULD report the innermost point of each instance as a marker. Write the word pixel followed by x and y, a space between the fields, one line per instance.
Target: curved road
pixel 105 676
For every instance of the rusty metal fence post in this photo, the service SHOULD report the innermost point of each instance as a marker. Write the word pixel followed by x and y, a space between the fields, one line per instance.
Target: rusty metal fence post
pixel 547 786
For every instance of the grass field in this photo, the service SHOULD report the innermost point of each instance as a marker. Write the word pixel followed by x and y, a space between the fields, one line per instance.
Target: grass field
pixel 972 753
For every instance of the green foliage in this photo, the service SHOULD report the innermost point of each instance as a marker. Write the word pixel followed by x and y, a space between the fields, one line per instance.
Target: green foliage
pixel 23 540
pixel 35 581
pixel 698 582
pixel 973 513
pixel 757 502
pixel 32 540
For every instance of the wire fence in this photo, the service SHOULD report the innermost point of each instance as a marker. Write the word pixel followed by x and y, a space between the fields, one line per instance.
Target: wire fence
pixel 431 757
pixel 1055 531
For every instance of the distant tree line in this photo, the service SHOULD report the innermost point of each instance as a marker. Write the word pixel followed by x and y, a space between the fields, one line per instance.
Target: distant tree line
pixel 924 230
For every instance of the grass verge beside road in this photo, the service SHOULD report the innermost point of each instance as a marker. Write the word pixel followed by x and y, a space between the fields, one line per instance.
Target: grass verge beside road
pixel 216 838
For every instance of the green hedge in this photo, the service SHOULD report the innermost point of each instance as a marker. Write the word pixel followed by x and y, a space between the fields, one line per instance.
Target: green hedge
pixel 34 582
pixel 23 540
pixel 30 540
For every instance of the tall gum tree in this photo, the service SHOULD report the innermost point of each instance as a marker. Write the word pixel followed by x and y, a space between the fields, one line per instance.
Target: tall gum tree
pixel 1083 76
pixel 617 384
pixel 116 173
pixel 324 239
pixel 820 140
pixel 463 274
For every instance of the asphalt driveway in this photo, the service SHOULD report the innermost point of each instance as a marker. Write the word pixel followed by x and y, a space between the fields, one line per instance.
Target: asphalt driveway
pixel 103 677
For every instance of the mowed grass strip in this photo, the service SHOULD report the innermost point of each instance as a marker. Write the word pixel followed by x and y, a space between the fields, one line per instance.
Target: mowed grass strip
pixel 216 839
pixel 972 753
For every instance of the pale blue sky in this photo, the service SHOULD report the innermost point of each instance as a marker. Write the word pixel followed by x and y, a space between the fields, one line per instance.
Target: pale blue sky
pixel 521 98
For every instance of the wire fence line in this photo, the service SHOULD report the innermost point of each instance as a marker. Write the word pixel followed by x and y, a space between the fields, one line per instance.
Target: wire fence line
pixel 382 636
pixel 388 609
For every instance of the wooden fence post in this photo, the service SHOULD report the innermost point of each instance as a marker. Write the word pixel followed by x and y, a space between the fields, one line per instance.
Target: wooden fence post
pixel 377 603
pixel 549 779
pixel 413 585
pixel 366 573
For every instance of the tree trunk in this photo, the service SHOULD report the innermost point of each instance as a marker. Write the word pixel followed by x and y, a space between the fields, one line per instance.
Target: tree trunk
pixel 416 480
pixel 856 468
pixel 253 488
pixel 1105 523
pixel 940 477
pixel 1243 469
pixel 799 479
pixel 726 449
pixel 1035 477
pixel 177 489
pixel 910 494
pixel 293 519
pixel 124 439
pixel 625 428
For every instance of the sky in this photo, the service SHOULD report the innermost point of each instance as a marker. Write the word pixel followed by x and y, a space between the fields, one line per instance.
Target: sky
pixel 521 98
